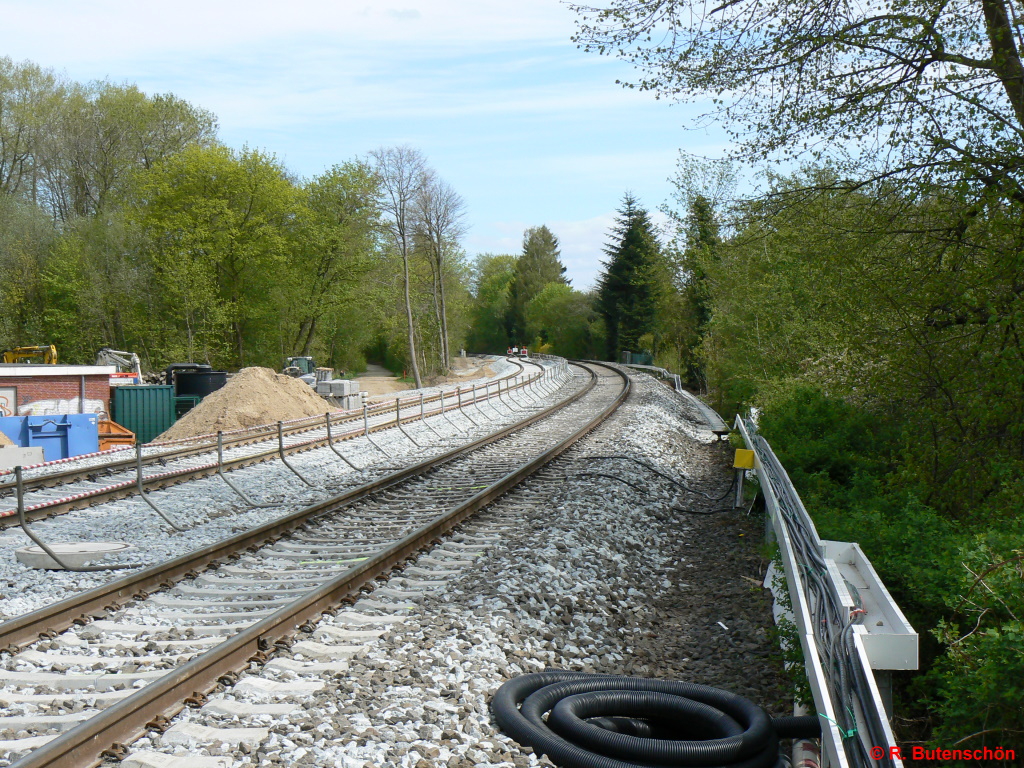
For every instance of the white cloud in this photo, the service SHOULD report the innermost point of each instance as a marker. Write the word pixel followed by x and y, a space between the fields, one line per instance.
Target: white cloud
pixel 61 32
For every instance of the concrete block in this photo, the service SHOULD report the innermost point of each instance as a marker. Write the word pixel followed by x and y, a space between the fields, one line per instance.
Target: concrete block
pixel 323 387
pixel 194 735
pixel 12 456
pixel 261 687
pixel 311 649
pixel 244 709
pixel 149 759
pixel 315 668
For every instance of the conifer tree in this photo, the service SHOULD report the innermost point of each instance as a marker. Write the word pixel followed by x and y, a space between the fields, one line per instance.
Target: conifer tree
pixel 630 287
pixel 703 241
pixel 536 267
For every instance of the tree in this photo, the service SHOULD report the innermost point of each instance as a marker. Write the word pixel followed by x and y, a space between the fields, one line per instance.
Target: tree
pixel 702 245
pixel 217 223
pixel 402 171
pixel 26 239
pixel 633 281
pixel 338 230
pixel 492 276
pixel 563 320
pixel 536 267
pixel 29 99
pixel 105 132
pixel 924 90
pixel 440 212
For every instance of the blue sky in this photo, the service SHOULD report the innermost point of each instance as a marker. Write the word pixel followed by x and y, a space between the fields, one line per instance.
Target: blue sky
pixel 526 127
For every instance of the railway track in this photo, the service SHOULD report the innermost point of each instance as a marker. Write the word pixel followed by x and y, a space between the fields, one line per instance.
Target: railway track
pixel 120 658
pixel 114 476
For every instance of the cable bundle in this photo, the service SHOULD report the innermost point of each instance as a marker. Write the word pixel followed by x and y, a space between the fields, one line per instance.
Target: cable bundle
pixel 604 721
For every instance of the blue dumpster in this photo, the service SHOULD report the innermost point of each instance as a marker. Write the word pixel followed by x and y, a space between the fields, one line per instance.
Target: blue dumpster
pixel 15 428
pixel 58 436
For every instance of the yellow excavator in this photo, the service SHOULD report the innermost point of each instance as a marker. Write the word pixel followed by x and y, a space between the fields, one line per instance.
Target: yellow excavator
pixel 46 355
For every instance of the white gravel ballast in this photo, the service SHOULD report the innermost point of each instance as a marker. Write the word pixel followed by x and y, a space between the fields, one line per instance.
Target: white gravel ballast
pixel 592 565
pixel 210 511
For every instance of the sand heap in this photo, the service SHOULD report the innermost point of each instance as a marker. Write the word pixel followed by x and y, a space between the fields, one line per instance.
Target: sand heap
pixel 4 440
pixel 252 397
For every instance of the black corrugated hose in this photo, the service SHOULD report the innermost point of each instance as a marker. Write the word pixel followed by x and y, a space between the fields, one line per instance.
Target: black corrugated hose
pixel 605 721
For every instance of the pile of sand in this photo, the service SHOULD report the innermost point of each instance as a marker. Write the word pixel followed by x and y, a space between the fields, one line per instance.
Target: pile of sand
pixel 4 440
pixel 252 397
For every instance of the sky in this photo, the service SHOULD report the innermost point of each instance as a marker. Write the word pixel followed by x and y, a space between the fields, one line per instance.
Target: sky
pixel 529 129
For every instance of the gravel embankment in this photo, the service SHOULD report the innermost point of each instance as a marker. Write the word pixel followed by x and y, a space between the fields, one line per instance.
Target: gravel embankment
pixel 581 571
pixel 210 511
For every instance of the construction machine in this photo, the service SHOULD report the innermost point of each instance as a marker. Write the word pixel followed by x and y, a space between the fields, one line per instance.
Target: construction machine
pixel 47 355
pixel 126 362
pixel 299 366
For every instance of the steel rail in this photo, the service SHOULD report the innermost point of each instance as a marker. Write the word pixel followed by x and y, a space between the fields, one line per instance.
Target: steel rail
pixel 27 628
pixel 124 721
pixel 207 444
pixel 126 488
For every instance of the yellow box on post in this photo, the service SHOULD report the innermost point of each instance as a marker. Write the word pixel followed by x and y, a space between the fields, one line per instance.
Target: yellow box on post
pixel 744 459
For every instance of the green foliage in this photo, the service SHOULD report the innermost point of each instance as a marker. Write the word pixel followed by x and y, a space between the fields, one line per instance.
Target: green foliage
pixel 979 693
pixel 632 286
pixel 216 227
pixel 335 247
pixel 563 321
pixel 26 237
pixel 929 92
pixel 492 276
pixel 786 635
pixel 538 266
pixel 845 460
pixel 123 223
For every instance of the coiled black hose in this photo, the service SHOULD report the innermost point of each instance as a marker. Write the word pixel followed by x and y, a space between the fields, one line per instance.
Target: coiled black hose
pixel 604 721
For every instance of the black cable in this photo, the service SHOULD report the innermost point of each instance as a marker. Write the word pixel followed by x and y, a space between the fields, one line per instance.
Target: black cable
pixel 671 479
pixel 607 721
pixel 613 477
pixel 637 488
pixel 845 677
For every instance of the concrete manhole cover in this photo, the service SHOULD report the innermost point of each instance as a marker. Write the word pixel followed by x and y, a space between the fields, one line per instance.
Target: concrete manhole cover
pixel 74 554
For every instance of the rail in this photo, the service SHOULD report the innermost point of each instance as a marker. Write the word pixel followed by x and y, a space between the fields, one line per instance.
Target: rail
pixel 469 396
pixel 84 744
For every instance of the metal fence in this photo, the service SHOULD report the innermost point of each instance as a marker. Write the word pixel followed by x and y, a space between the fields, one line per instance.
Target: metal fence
pixel 851 631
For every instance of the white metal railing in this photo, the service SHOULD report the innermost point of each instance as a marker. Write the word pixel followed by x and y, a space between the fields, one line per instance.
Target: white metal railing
pixel 849 627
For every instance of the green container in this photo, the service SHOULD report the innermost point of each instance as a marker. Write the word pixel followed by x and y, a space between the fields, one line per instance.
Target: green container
pixel 147 411
pixel 185 403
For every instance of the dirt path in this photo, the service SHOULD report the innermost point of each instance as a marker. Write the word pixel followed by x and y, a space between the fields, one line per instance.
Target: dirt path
pixel 378 380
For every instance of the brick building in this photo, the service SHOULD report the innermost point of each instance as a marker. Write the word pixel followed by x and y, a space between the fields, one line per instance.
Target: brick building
pixel 45 390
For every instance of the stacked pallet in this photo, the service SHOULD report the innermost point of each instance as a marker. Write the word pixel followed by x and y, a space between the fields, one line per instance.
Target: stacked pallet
pixel 343 392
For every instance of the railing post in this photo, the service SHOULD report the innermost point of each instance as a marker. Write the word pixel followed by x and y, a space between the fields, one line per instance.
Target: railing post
pixel 284 459
pixel 476 403
pixel 142 490
pixel 510 408
pixel 20 491
pixel 366 432
pixel 226 479
pixel 423 418
pixel 458 392
pixel 398 422
pixel 487 398
pixel 330 443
